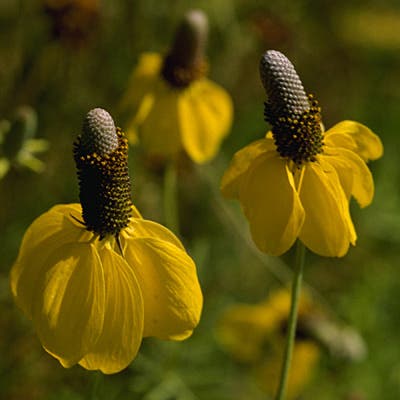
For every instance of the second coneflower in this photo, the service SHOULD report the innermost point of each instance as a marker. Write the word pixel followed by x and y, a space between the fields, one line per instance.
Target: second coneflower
pixel 171 104
pixel 297 181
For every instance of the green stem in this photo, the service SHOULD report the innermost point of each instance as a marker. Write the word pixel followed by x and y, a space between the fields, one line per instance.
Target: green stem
pixel 170 199
pixel 97 379
pixel 290 340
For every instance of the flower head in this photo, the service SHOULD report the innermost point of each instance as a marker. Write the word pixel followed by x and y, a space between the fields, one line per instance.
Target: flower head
pixel 18 145
pixel 297 181
pixel 171 105
pixel 95 278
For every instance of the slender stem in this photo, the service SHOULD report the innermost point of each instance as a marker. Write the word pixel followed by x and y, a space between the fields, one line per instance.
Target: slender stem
pixel 290 340
pixel 170 199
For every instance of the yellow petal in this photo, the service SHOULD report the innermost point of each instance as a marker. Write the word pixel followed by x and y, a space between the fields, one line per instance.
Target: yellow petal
pixel 138 98
pixel 160 130
pixel 135 213
pixel 243 330
pixel 123 317
pixel 205 111
pixel 240 164
pixel 4 166
pixel 271 204
pixel 140 82
pixel 355 177
pixel 132 133
pixel 142 228
pixel 328 229
pixel 306 354
pixel 366 144
pixel 171 291
pixel 69 302
pixel 45 235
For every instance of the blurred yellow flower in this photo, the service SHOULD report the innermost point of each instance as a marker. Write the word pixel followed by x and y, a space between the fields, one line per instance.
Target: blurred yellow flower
pixel 170 104
pixel 305 358
pixel 297 181
pixel 18 146
pixel 255 335
pixel 95 288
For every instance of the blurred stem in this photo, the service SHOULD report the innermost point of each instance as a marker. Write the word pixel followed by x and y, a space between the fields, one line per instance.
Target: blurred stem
pixel 170 200
pixel 97 379
pixel 292 322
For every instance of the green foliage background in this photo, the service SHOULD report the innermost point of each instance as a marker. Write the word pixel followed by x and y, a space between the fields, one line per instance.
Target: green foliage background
pixel 347 53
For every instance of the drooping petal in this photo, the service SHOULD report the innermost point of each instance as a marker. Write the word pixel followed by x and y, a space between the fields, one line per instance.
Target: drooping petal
pixel 306 354
pixel 355 177
pixel 243 329
pixel 205 112
pixel 240 164
pixel 142 228
pixel 139 96
pixel 160 129
pixel 328 229
pixel 168 280
pixel 122 331
pixel 4 166
pixel 68 306
pixel 367 145
pixel 140 82
pixel 45 235
pixel 271 204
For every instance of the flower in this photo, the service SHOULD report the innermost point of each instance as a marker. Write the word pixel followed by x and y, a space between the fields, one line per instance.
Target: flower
pixel 171 105
pixel 73 21
pixel 17 143
pixel 95 278
pixel 297 181
pixel 254 334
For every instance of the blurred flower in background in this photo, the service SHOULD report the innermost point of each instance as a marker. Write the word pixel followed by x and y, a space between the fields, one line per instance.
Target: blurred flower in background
pixel 95 278
pixel 18 145
pixel 73 21
pixel 373 28
pixel 254 335
pixel 169 103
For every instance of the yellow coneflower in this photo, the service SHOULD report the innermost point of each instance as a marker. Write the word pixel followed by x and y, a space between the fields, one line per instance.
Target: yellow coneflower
pixel 95 278
pixel 297 181
pixel 169 102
